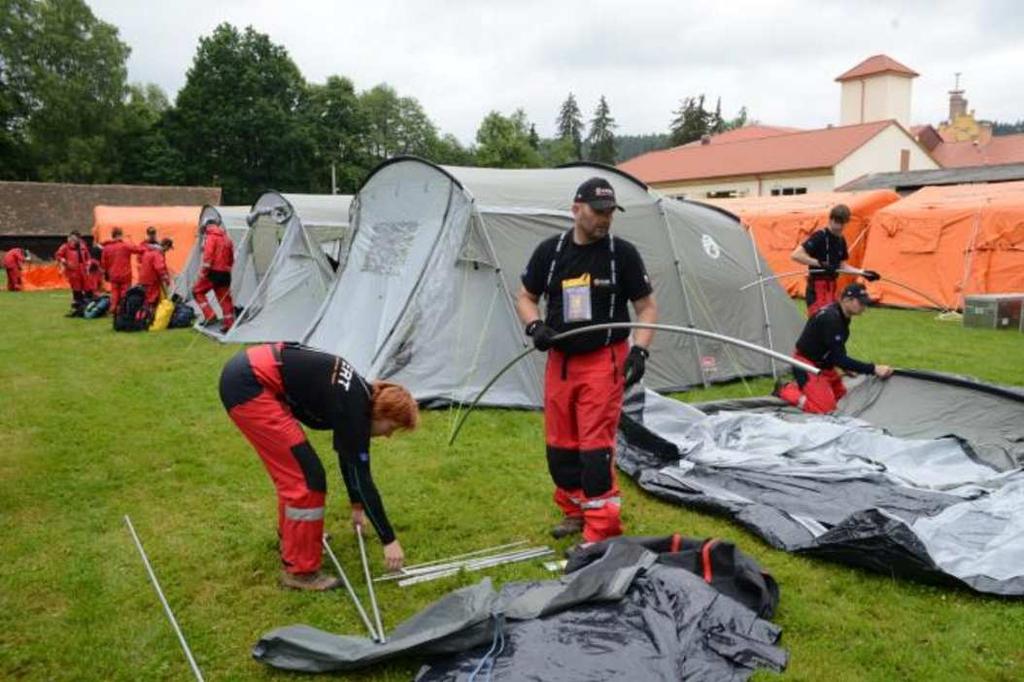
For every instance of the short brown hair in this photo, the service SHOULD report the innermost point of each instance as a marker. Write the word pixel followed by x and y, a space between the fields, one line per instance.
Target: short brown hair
pixel 116 232
pixel 394 402
pixel 840 213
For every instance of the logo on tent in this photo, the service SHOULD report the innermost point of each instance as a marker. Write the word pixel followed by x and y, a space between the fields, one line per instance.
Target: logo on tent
pixel 389 247
pixel 710 246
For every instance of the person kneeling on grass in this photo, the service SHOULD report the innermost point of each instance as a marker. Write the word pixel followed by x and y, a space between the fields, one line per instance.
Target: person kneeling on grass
pixel 823 344
pixel 267 390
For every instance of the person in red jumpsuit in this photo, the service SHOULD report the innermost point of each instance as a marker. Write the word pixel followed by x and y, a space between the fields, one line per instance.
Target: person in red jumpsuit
pixel 215 273
pixel 116 261
pixel 153 273
pixel 823 344
pixel 14 259
pixel 268 390
pixel 73 259
pixel 588 276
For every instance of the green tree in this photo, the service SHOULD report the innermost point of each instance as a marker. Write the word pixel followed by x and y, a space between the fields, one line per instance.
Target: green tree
pixel 556 152
pixel 145 155
pixel 601 140
pixel 16 20
pixel 336 123
pixel 449 151
pixel 739 121
pixel 237 120
pixel 504 142
pixel 570 125
pixel 395 125
pixel 63 74
pixel 691 121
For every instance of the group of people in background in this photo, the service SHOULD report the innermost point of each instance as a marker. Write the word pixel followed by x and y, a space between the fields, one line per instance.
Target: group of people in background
pixel 86 269
pixel 108 266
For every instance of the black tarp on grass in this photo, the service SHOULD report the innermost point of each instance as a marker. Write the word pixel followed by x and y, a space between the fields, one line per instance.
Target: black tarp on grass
pixel 622 617
pixel 919 475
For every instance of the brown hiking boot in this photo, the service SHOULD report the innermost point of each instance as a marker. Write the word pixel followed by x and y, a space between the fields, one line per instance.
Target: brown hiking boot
pixel 314 582
pixel 569 525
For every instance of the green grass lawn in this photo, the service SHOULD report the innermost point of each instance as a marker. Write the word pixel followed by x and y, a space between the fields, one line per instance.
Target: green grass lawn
pixel 95 425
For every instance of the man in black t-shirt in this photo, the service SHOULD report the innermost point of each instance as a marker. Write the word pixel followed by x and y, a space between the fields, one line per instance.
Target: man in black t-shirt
pixel 825 251
pixel 267 391
pixel 587 275
pixel 823 344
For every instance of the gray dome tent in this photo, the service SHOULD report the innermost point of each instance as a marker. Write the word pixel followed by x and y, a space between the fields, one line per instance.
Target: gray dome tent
pixel 425 295
pixel 281 273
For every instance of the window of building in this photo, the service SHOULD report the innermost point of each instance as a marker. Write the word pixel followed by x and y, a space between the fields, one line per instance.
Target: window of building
pixel 788 191
pixel 723 194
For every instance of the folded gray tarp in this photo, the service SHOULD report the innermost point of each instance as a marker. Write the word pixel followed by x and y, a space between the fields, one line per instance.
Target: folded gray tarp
pixel 621 617
pixel 919 475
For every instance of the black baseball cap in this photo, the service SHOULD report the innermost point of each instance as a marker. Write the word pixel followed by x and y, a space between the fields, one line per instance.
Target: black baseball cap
pixel 598 193
pixel 858 292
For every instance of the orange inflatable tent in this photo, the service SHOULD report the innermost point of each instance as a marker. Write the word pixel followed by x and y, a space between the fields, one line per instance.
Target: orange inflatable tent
pixel 180 223
pixel 779 224
pixel 949 242
pixel 41 276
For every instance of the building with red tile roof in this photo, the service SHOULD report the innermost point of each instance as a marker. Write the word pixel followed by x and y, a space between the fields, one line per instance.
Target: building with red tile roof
pixel 779 162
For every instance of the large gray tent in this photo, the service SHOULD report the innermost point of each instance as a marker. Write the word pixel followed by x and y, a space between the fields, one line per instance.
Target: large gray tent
pixel 425 296
pixel 282 272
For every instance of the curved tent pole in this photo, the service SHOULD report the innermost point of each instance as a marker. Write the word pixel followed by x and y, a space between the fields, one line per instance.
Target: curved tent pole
pixel 938 304
pixel 810 369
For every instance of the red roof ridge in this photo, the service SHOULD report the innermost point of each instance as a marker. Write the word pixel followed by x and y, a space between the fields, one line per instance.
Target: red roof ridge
pixel 879 63
pixel 818 148
pixel 806 131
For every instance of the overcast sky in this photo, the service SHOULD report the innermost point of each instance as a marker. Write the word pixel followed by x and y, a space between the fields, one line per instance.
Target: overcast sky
pixel 462 59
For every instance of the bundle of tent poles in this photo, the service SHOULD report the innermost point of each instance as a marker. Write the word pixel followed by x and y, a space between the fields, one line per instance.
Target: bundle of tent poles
pixel 513 552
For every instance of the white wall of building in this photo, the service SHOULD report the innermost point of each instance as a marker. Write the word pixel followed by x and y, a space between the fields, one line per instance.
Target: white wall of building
pixel 876 98
pixel 749 186
pixel 881 154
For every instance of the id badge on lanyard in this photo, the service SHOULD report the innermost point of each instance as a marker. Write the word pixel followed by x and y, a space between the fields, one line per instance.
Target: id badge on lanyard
pixel 576 305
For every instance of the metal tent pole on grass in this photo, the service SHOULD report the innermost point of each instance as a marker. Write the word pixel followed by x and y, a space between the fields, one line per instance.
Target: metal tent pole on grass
pixel 163 600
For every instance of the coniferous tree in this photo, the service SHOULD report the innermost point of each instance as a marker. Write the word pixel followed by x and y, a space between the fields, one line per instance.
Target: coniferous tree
pixel 570 124
pixel 601 140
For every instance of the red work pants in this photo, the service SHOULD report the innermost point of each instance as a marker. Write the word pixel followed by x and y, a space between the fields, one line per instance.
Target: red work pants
pixel 582 404
pixel 221 290
pixel 250 388
pixel 821 291
pixel 118 288
pixel 819 394
pixel 152 294
pixel 13 279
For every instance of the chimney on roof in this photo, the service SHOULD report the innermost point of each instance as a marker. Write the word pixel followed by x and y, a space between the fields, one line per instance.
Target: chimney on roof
pixel 957 101
pixel 705 139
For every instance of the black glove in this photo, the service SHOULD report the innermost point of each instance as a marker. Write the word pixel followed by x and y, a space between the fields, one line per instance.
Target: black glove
pixel 871 275
pixel 636 363
pixel 542 334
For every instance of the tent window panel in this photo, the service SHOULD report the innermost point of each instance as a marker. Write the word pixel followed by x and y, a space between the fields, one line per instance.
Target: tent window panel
pixel 390 243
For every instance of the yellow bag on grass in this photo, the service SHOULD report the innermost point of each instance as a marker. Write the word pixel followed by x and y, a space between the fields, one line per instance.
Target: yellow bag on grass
pixel 162 315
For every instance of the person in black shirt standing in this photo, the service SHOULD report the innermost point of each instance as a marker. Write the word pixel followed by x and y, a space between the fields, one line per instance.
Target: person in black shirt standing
pixel 587 275
pixel 826 251
pixel 823 344
pixel 267 390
